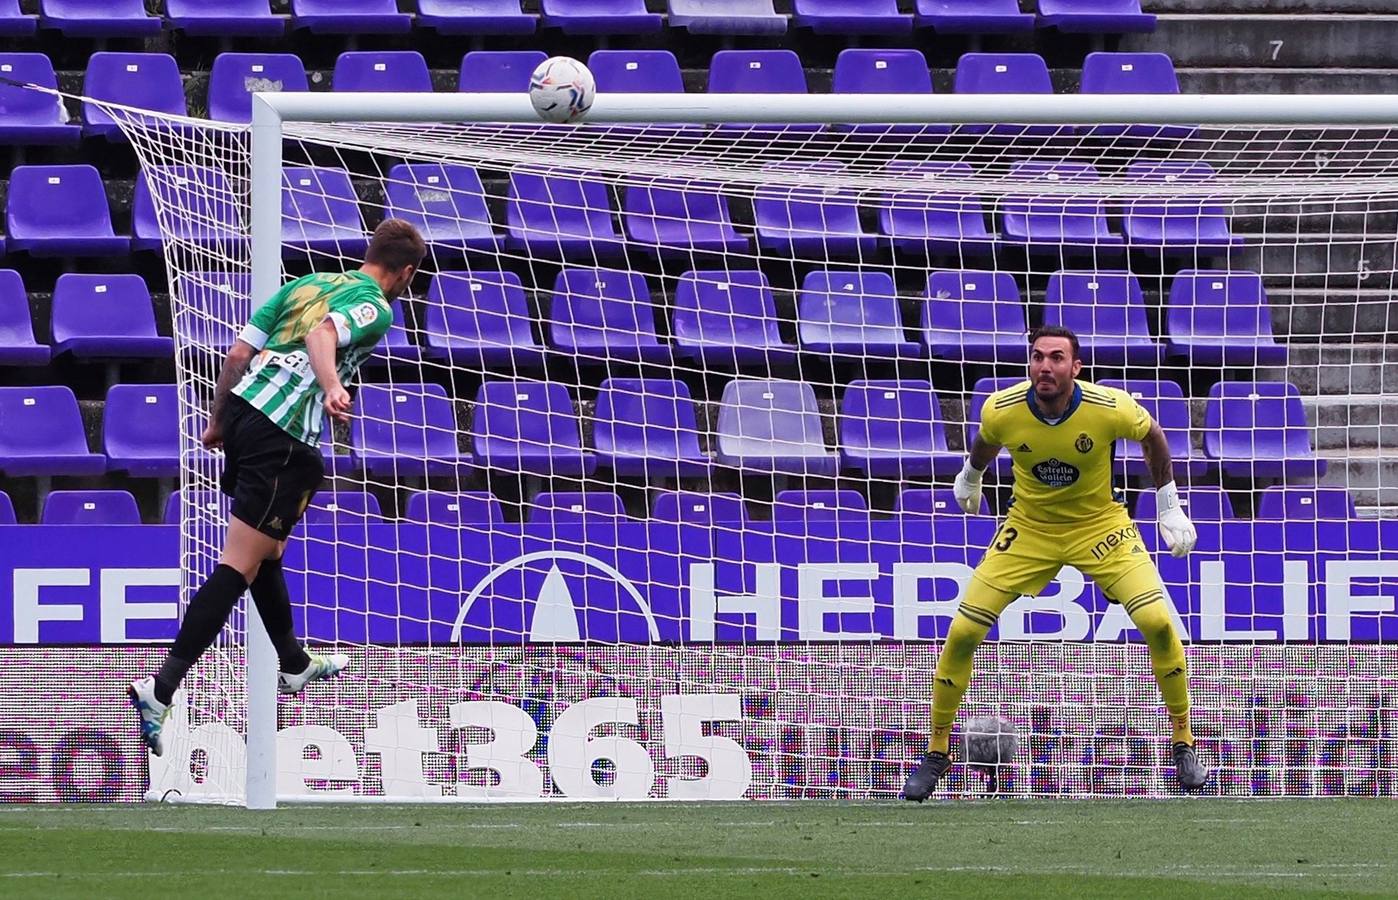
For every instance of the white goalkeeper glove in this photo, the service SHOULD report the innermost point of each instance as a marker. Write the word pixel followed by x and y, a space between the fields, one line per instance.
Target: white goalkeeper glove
pixel 967 489
pixel 1175 526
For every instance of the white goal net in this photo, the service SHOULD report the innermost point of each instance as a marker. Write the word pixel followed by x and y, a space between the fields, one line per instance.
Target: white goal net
pixel 647 494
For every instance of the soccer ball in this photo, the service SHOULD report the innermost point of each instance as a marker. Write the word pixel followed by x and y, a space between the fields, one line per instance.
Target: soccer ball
pixel 990 741
pixel 562 89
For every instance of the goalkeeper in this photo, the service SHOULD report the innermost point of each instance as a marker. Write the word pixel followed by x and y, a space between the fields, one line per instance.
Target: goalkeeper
pixel 286 371
pixel 1060 433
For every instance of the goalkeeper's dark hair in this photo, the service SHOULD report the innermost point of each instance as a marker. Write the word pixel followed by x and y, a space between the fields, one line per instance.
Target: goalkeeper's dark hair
pixel 395 245
pixel 1058 331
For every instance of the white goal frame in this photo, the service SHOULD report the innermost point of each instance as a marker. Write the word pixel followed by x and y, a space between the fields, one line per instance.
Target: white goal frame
pixel 272 111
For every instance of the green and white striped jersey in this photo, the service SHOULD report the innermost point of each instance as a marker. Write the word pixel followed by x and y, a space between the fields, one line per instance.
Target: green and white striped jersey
pixel 280 382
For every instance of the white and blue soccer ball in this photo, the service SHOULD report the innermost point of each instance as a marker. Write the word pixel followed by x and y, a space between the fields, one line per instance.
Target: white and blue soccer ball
pixel 562 89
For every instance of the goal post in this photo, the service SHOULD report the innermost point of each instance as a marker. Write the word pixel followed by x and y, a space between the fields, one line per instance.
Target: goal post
pixel 778 651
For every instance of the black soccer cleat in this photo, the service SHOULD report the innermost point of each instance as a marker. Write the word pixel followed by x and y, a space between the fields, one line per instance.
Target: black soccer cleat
pixel 1188 769
pixel 923 782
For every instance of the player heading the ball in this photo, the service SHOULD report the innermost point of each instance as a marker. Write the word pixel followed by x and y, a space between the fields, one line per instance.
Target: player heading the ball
pixel 285 373
pixel 1060 433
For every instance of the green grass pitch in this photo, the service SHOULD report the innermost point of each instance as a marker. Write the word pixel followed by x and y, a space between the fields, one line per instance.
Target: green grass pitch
pixel 1039 849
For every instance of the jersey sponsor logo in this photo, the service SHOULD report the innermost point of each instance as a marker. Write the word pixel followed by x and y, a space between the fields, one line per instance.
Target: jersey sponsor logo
pixel 1023 448
pixel 275 524
pixel 1083 443
pixel 364 314
pixel 1118 538
pixel 1056 473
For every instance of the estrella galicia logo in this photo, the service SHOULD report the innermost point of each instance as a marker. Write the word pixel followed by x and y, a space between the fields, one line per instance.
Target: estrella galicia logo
pixel 1056 473
pixel 1084 443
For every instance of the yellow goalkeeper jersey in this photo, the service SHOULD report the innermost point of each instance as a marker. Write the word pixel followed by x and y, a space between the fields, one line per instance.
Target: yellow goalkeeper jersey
pixel 1063 469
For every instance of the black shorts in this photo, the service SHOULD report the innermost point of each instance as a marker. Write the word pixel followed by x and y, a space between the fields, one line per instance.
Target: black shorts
pixel 270 475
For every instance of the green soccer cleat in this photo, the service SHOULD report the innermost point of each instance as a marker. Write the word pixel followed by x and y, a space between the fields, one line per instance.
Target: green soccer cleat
pixel 153 713
pixel 923 782
pixel 1188 769
pixel 320 669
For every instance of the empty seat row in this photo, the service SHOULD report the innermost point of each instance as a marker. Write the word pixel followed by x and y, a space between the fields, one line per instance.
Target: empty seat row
pixel 648 428
pixel 254 18
pixel 565 216
pixel 153 81
pixel 791 507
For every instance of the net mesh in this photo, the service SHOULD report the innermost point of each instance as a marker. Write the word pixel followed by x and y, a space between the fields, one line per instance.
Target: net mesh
pixel 567 549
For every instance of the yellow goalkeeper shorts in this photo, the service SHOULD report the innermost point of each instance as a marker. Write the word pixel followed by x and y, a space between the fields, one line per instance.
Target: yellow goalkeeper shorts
pixel 1025 555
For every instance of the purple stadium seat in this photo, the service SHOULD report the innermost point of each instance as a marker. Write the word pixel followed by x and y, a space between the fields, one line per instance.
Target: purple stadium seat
pixel 1095 16
pixel 560 216
pixel 726 16
pixel 211 211
pixel 43 434
pixel 851 16
pixel 320 213
pixel 1131 73
pixel 758 72
pixel 672 218
pixel 7 510
pixel 1257 429
pixel 796 507
pixel 28 116
pixel 810 221
pixel 405 430
pixel 894 428
pixel 218 305
pixel 1218 318
pixel 224 18
pixel 107 317
pixel 528 427
pixel 636 71
pixel 1201 504
pixel 210 504
pixel 141 80
pixel 973 16
pixel 386 70
pixel 98 18
pixel 350 17
pixel 861 71
pixel 728 319
pixel 933 502
pixel 575 507
pixel 446 203
pixel 1005 73
pixel 14 23
pixel 1107 311
pixel 498 71
pixel 480 319
pixel 337 464
pixel 396 346
pixel 647 427
pixel 17 344
pixel 599 16
pixel 60 211
pixel 1291 503
pixel 980 393
pixel 1167 405
pixel 90 508
pixel 343 508
pixel 699 508
pixel 141 430
pixel 465 508
pixel 851 313
pixel 773 426
pixel 1182 225
pixel 974 316
pixel 1056 222
pixel 602 314
pixel 237 76
pixel 475 17
pixel 925 220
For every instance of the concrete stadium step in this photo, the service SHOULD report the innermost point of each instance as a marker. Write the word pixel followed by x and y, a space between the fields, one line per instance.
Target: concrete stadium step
pixel 1272 41
pixel 1234 80
pixel 1334 370
pixel 1342 260
pixel 1370 475
pixel 1345 314
pixel 1354 421
pixel 1270 7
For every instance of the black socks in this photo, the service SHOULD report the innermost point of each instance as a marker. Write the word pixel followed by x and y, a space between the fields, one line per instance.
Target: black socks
pixel 204 619
pixel 274 606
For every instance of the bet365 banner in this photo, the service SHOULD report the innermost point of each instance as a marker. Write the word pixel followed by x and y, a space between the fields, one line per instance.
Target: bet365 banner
pixel 644 583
